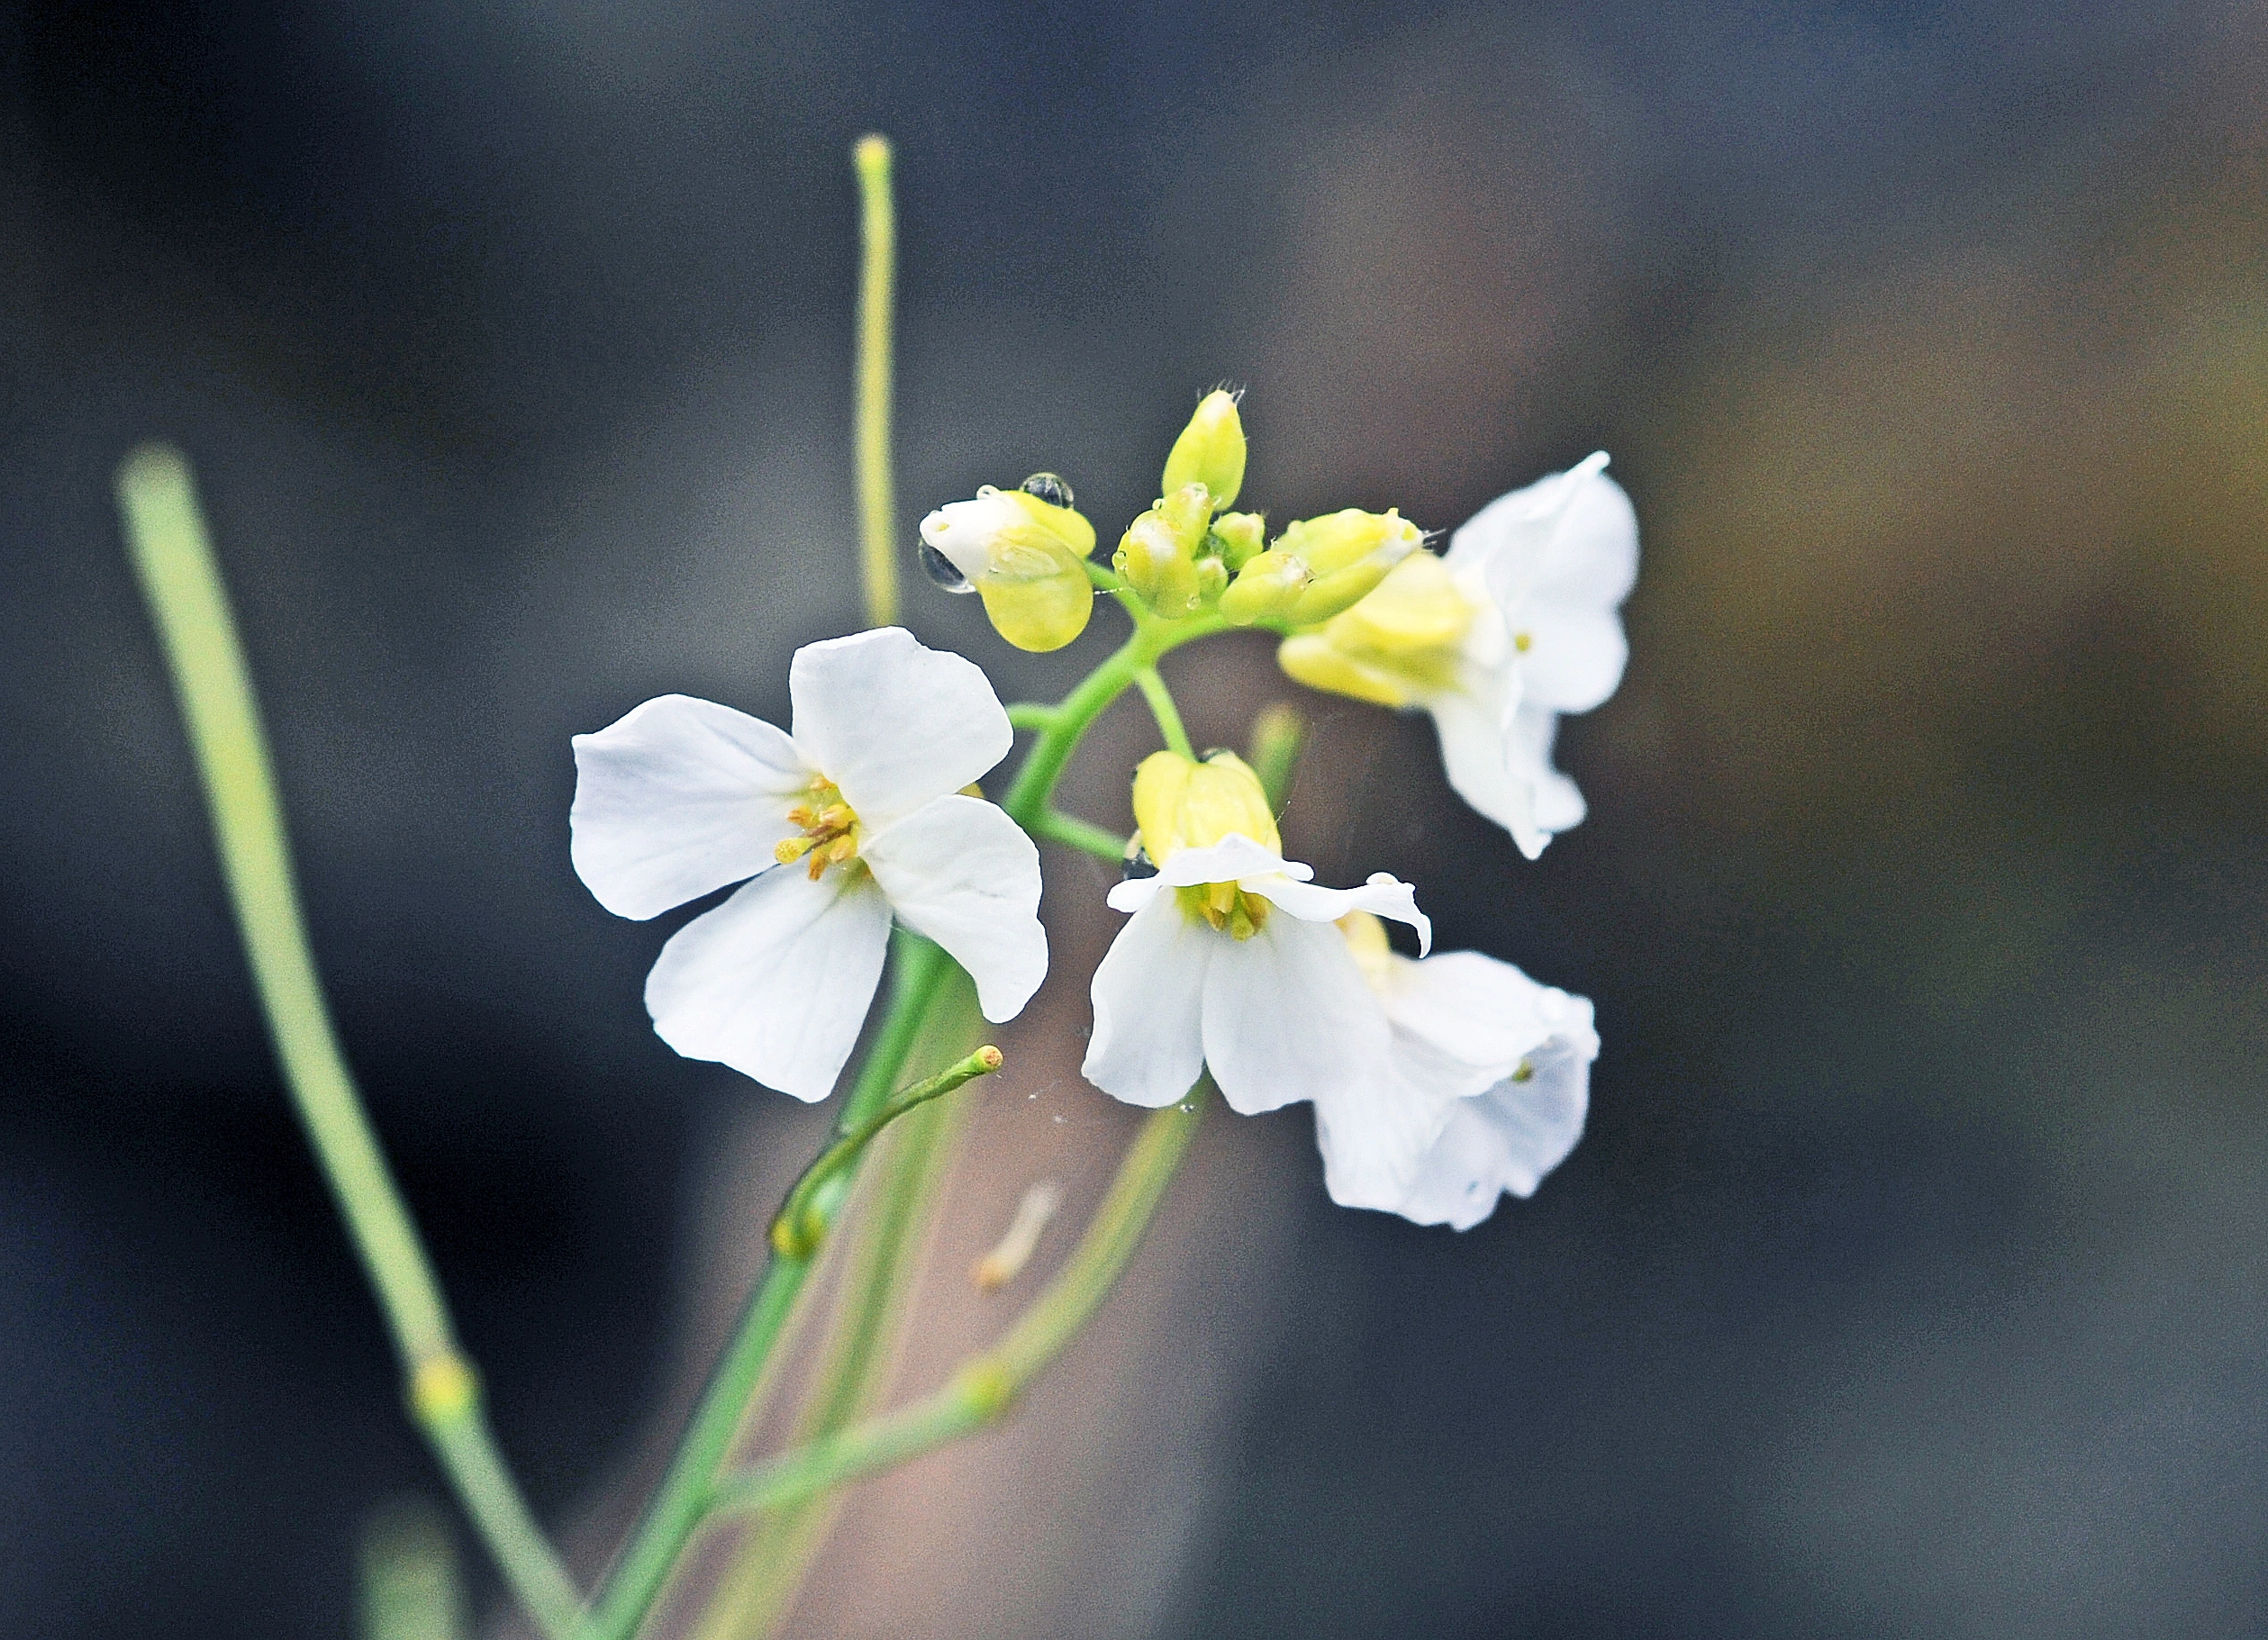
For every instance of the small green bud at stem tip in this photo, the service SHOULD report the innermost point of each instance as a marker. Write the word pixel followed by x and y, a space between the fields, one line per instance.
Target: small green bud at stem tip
pixel 800 1227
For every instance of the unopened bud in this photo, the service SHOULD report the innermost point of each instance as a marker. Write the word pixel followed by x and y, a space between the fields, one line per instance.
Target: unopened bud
pixel 1181 804
pixel 1158 555
pixel 1210 449
pixel 1237 538
pixel 1025 556
pixel 1319 567
pixel 1396 646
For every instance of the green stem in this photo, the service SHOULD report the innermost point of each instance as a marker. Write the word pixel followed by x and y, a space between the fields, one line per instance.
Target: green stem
pixel 1029 714
pixel 800 1227
pixel 173 559
pixel 1162 708
pixel 1051 753
pixel 877 502
pixel 987 1386
pixel 675 1509
pixel 1054 826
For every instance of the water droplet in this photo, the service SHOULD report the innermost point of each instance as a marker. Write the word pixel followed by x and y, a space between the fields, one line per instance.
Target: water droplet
pixel 943 571
pixel 1048 487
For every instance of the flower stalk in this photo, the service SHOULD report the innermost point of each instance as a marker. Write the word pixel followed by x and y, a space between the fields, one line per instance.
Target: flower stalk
pixel 173 559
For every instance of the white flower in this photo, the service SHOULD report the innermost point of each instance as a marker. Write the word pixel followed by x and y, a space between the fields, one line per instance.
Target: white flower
pixel 1518 624
pixel 1231 960
pixel 857 815
pixel 1490 1082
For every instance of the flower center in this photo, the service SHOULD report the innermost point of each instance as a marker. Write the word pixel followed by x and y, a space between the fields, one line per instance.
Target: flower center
pixel 1226 906
pixel 830 831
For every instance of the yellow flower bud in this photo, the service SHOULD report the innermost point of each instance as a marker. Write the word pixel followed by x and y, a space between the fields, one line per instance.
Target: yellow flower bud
pixel 1158 555
pixel 1181 804
pixel 1399 645
pixel 1320 566
pixel 1237 538
pixel 1210 449
pixel 1024 555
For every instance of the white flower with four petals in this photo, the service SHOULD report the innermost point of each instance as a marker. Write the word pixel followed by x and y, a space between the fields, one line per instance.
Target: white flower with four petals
pixel 856 816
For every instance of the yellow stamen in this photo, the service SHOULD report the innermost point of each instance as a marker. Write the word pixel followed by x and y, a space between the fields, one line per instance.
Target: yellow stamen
pixel 830 834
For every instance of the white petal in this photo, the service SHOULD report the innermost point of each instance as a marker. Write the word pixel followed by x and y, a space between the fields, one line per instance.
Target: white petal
pixel 1473 756
pixel 1382 896
pixel 1148 1043
pixel 893 723
pixel 776 981
pixel 1230 860
pixel 960 872
pixel 1571 537
pixel 1559 805
pixel 1509 1137
pixel 1375 1139
pixel 1590 557
pixel 1574 657
pixel 1288 1017
pixel 1133 893
pixel 678 797
pixel 1463 1021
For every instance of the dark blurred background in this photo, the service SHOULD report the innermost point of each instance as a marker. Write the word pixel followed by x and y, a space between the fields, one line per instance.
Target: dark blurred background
pixel 1909 1280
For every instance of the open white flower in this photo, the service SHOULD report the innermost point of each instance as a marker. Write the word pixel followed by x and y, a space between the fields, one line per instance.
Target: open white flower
pixel 1489 1083
pixel 1230 959
pixel 1518 624
pixel 857 815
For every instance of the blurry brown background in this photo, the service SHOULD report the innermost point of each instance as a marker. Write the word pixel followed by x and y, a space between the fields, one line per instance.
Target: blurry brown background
pixel 1908 1282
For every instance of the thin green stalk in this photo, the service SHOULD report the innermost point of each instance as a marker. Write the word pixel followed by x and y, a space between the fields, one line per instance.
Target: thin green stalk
pixel 173 559
pixel 674 1511
pixel 877 272
pixel 987 1386
pixel 1054 826
pixel 800 1225
pixel 1162 708
pixel 1043 765
pixel 768 1569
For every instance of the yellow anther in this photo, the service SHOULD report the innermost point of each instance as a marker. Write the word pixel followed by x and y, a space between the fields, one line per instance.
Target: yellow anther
pixel 1526 1072
pixel 830 835
pixel 1523 642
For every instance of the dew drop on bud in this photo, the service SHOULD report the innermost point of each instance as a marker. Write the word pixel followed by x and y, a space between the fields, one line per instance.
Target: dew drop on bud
pixel 1048 487
pixel 943 571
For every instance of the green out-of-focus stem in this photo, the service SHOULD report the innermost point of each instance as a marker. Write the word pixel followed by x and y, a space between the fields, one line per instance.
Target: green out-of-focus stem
pixel 1054 826
pixel 1162 708
pixel 1277 734
pixel 173 559
pixel 985 1387
pixel 878 276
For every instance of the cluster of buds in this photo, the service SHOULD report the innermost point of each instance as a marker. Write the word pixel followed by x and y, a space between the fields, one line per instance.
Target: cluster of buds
pixel 1026 550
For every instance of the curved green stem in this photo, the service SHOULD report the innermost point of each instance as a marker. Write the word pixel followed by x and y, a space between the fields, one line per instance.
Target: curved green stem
pixel 800 1227
pixel 877 500
pixel 1162 708
pixel 173 559
pixel 987 1386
